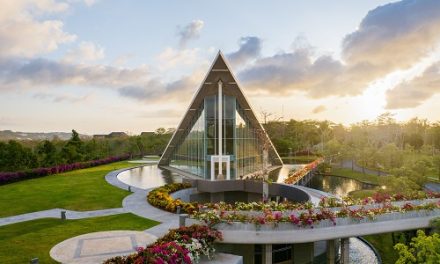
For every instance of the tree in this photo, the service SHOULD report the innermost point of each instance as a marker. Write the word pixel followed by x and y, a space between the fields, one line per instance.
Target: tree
pixel 422 249
pixel 73 150
pixel 436 163
pixel 415 140
pixel 47 154
pixel 15 157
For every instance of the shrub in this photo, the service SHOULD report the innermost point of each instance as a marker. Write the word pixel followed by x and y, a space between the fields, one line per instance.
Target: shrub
pixel 181 245
pixel 161 198
pixel 8 177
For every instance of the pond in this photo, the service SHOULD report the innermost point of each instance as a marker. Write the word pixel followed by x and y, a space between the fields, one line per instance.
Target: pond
pixel 149 176
pixel 340 186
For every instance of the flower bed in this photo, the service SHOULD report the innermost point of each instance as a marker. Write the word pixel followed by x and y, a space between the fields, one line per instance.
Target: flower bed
pixel 182 245
pixel 377 198
pixel 161 198
pixel 258 206
pixel 8 177
pixel 312 216
pixel 297 175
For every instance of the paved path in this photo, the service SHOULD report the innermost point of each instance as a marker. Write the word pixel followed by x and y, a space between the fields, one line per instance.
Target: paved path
pixel 137 204
pixel 347 164
pixel 432 186
pixel 56 213
pixel 99 246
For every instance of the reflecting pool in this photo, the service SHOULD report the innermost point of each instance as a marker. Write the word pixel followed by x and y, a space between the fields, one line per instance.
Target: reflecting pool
pixel 149 176
pixel 340 186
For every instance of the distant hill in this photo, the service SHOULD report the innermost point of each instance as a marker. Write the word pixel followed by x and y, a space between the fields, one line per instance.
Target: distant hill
pixel 16 135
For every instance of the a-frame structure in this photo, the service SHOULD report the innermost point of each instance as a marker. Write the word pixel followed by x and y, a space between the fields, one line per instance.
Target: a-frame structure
pixel 219 136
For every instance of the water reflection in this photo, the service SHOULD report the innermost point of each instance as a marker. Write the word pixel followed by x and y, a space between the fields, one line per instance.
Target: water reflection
pixel 337 185
pixel 148 176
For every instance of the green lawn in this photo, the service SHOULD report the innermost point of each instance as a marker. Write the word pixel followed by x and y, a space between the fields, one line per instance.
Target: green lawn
pixel 80 190
pixel 367 178
pixel 33 239
pixel 361 194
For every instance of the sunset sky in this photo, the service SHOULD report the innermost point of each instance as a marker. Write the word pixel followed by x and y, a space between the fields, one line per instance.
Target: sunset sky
pixel 108 65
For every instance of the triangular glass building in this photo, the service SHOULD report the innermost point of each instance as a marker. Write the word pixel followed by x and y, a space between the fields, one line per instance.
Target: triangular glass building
pixel 219 137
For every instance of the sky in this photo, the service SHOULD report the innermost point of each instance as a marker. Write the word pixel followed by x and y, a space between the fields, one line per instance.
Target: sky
pixel 106 65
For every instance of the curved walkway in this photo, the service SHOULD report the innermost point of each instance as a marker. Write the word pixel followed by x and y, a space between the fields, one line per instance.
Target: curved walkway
pixel 137 204
pixel 56 213
pixel 347 164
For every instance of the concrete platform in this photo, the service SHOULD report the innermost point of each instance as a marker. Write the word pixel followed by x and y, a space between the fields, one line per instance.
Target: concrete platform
pixel 99 246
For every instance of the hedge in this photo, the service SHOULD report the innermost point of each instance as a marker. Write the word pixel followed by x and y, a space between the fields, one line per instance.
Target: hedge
pixel 8 177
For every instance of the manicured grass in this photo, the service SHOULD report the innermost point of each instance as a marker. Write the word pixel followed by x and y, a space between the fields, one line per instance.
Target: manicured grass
pixel 360 194
pixel 80 190
pixel 33 239
pixel 384 245
pixel 367 178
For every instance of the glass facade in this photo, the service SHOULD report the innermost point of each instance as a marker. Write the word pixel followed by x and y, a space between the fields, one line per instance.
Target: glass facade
pixel 239 141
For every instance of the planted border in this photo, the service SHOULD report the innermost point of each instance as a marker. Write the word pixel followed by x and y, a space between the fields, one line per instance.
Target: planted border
pixel 311 217
pixel 161 198
pixel 9 177
pixel 183 245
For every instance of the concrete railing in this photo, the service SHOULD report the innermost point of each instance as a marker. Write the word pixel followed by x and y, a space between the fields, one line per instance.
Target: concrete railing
pixel 284 232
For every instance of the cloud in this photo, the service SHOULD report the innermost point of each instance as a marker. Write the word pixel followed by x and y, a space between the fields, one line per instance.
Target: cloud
pixel 162 113
pixel 57 98
pixel 414 92
pixel 121 60
pixel 189 32
pixel 85 52
pixel 90 2
pixel 39 72
pixel 319 109
pixel 22 34
pixel 170 57
pixel 155 89
pixel 136 83
pixel 395 35
pixel 285 72
pixel 392 37
pixel 250 48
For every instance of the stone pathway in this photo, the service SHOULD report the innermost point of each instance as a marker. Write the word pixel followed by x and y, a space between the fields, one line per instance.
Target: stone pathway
pixel 99 246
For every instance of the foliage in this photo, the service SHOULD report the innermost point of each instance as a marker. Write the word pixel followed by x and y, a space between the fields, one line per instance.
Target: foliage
pixel 161 198
pixel 30 154
pixel 410 149
pixel 422 249
pixel 24 241
pixel 384 244
pixel 8 177
pixel 14 156
pixel 182 245
pixel 435 224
